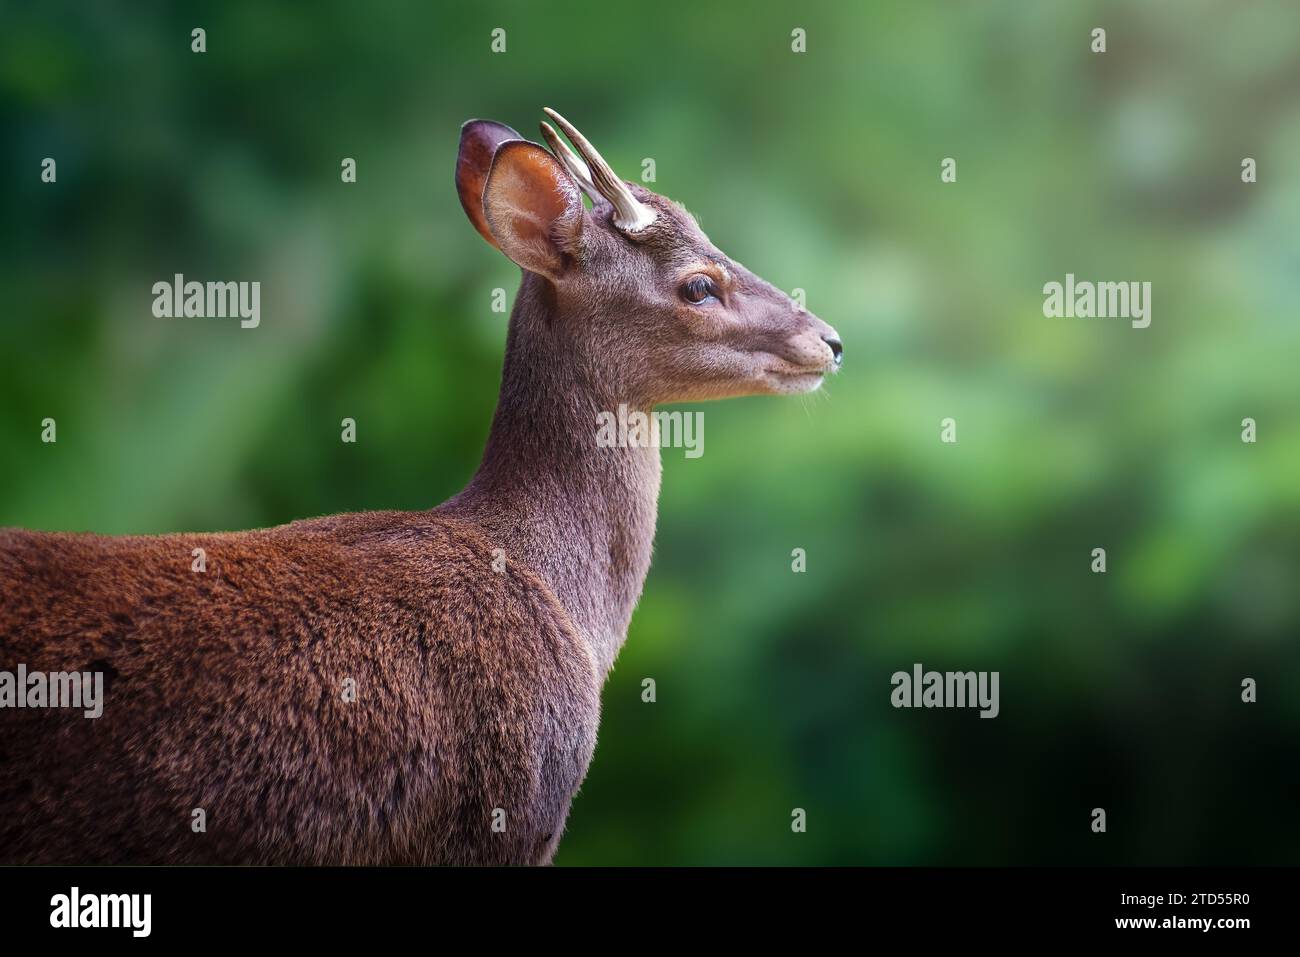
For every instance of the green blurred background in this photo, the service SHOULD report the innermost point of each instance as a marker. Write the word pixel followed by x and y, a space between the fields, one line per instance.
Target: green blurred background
pixel 819 171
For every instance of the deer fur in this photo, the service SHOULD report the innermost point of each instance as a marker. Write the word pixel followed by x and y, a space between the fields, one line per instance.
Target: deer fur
pixel 478 633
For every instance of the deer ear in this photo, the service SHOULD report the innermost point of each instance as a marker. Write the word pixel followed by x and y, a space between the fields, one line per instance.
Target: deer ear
pixel 479 140
pixel 533 208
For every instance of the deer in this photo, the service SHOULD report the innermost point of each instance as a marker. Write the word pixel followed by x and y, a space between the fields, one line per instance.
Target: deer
pixel 396 687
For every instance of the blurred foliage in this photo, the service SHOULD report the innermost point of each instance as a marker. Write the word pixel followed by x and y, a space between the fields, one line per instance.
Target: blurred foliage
pixel 819 171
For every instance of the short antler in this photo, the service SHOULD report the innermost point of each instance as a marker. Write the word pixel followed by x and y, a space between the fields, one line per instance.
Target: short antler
pixel 630 214
pixel 571 160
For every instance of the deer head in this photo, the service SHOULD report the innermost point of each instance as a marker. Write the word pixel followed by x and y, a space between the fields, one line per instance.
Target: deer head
pixel 642 299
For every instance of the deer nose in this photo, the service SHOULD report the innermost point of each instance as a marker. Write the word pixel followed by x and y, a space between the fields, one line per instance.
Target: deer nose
pixel 837 347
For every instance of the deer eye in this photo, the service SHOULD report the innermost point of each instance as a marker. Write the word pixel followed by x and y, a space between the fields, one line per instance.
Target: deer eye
pixel 699 289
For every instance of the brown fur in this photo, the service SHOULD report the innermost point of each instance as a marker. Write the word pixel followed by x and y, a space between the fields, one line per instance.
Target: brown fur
pixel 477 686
pixel 225 693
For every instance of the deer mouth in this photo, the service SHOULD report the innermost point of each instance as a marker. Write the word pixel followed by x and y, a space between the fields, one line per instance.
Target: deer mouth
pixel 790 379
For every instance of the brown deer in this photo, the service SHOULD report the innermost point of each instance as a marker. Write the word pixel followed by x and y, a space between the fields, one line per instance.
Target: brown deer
pixel 394 687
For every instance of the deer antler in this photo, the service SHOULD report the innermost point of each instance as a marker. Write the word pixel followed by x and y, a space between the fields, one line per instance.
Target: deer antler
pixel 571 160
pixel 630 214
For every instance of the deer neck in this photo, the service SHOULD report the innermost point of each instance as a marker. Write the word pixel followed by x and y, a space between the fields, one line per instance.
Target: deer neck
pixel 580 515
